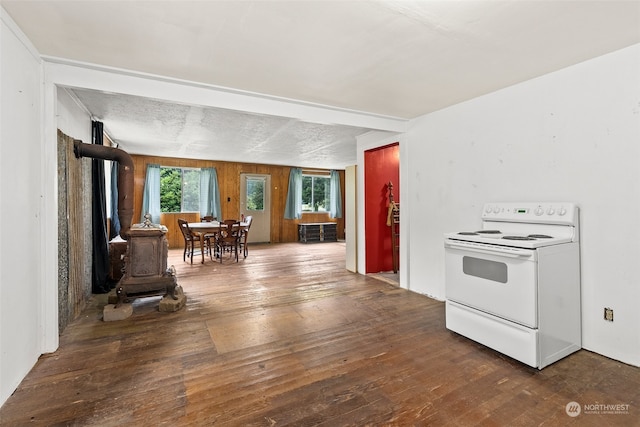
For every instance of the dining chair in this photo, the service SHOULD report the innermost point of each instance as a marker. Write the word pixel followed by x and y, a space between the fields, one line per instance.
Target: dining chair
pixel 209 237
pixel 190 237
pixel 245 235
pixel 228 239
pixel 211 240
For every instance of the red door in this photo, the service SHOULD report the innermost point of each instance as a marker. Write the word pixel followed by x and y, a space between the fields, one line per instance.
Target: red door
pixel 381 165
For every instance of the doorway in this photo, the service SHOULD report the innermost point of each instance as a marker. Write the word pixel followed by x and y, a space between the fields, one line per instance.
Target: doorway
pixel 255 200
pixel 381 165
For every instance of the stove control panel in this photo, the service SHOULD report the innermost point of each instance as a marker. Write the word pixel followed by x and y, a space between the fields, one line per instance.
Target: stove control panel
pixel 545 213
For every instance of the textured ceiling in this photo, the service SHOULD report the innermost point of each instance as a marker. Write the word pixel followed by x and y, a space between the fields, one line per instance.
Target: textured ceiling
pixel 395 58
pixel 152 127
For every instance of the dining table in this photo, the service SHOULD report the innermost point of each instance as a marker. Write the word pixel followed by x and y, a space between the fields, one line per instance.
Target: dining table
pixel 209 227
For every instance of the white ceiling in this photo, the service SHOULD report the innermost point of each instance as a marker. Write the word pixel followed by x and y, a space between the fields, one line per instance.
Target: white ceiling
pixel 400 59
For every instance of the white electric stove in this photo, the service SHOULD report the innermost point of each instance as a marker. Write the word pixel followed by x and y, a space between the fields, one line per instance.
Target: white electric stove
pixel 513 282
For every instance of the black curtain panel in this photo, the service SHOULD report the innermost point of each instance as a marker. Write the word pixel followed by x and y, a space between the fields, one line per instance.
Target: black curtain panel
pixel 115 219
pixel 100 269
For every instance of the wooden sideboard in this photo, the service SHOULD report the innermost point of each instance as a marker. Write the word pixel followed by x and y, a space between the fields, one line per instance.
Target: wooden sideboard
pixel 317 232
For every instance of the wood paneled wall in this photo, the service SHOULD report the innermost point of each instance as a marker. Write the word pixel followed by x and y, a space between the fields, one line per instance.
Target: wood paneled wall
pixel 282 230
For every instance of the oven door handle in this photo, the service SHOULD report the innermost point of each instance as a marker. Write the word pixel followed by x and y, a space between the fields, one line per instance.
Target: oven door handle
pixel 510 253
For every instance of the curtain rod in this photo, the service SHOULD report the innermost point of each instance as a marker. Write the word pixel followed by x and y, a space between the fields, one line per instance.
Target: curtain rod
pixel 316 170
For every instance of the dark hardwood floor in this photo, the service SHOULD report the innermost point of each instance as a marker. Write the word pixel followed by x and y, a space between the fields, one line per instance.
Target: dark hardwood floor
pixel 289 337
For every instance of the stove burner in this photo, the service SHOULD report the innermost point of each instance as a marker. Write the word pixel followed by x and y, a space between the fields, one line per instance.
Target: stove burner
pixel 518 238
pixel 467 233
pixel 540 236
pixel 489 232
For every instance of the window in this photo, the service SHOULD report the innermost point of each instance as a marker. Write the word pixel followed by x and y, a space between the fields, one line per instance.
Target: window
pixel 315 193
pixel 255 194
pixel 179 190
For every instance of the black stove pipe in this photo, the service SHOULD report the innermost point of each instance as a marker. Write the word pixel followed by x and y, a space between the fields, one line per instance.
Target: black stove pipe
pixel 125 178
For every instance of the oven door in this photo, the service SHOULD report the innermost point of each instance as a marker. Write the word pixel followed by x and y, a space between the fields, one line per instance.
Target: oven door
pixel 494 279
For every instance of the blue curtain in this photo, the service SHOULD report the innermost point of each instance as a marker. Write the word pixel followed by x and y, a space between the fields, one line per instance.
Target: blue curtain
pixel 151 194
pixel 335 196
pixel 210 193
pixel 293 208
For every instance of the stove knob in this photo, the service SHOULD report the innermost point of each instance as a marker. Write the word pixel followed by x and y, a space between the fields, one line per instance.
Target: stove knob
pixel 496 209
pixel 550 211
pixel 488 209
pixel 562 211
pixel 539 211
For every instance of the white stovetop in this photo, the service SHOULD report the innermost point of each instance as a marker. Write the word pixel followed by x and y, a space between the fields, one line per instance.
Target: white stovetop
pixel 497 239
pixel 557 220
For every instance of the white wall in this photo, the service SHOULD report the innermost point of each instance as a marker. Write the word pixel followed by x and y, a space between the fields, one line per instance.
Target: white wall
pixel 572 135
pixel 21 184
pixel 30 113
pixel 72 118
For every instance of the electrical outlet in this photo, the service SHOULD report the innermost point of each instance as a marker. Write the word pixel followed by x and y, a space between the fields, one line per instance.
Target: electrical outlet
pixel 608 314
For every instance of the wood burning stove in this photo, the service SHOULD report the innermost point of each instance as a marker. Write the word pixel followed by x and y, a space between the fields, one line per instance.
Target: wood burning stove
pixel 145 271
pixel 145 261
